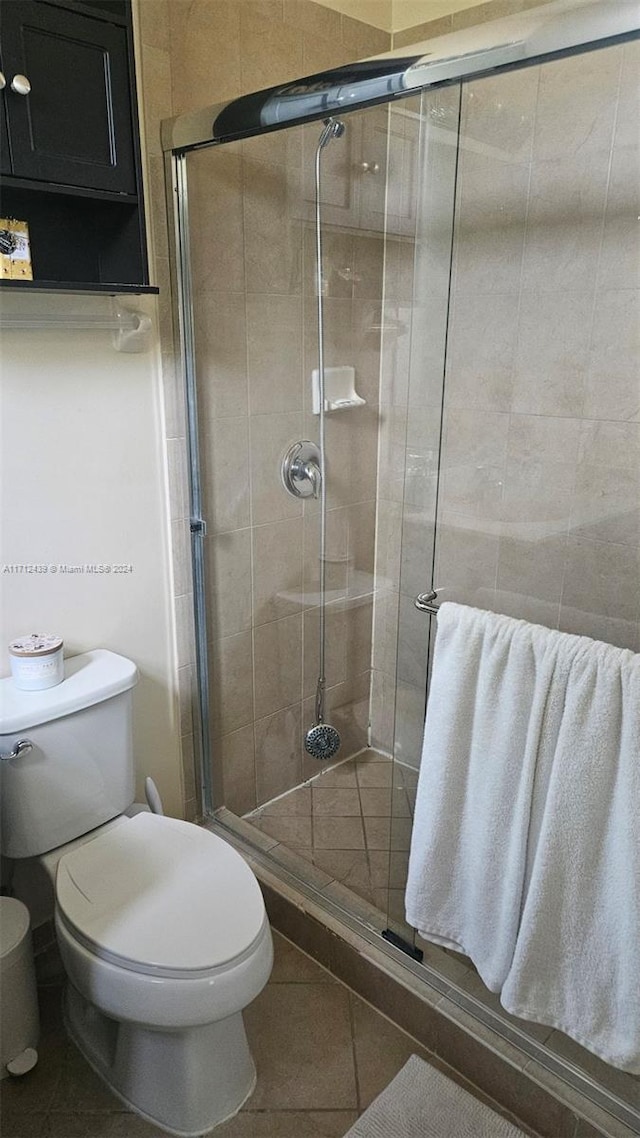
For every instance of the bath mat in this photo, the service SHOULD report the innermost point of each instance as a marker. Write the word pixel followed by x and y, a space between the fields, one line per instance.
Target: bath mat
pixel 423 1103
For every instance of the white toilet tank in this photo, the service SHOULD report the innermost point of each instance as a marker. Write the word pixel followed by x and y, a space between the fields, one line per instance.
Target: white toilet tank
pixel 79 772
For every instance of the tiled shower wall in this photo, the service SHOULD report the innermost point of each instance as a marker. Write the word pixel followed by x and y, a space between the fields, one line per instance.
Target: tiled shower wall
pixel 253 258
pixel 538 514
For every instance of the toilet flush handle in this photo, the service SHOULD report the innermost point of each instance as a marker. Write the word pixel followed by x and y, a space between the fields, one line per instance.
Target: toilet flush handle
pixel 152 795
pixel 20 748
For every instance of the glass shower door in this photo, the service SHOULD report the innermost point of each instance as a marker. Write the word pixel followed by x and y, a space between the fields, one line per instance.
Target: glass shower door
pixel 536 511
pixel 417 287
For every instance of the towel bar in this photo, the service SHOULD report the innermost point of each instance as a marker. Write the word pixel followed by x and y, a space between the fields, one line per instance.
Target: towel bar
pixel 425 602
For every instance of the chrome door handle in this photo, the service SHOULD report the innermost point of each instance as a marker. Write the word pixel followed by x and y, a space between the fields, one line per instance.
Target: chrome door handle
pixel 425 602
pixel 3 81
pixel 20 84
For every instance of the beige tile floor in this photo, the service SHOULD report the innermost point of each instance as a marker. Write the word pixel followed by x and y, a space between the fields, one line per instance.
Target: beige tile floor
pixel 322 1055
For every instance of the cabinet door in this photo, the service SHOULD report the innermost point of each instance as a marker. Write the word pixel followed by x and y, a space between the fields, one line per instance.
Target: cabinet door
pixel 74 127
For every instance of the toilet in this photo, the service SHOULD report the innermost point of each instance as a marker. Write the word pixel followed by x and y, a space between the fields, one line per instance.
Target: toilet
pixel 161 925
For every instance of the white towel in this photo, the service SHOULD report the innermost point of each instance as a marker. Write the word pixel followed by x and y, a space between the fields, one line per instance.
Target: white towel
pixel 500 808
pixel 576 964
pixel 491 694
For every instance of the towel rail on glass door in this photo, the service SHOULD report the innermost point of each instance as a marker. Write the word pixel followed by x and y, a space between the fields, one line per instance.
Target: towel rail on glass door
pixel 425 602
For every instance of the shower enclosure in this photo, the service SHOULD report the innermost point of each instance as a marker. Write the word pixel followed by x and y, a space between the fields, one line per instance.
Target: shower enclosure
pixel 478 282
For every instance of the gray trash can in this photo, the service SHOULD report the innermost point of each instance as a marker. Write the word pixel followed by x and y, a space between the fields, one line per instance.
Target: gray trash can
pixel 19 1020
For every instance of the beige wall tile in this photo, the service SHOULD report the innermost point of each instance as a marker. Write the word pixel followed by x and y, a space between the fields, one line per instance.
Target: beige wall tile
pixel 491 222
pixel 277 570
pixel 361 40
pixel 154 23
pixel 466 559
pixel 273 232
pixel 231 683
pixel 338 263
pixel 271 49
pixel 277 665
pixel 221 354
pixel 412 645
pixel 186 698
pixel 620 257
pixel 188 767
pixel 216 221
pixel 274 349
pixel 228 569
pixel 177 476
pixel 155 80
pixel 181 545
pixel 564 221
pixel 359 625
pixel 235 754
pixel 482 351
pixel 626 133
pixel 498 114
pixel 574 116
pixel 540 474
pixel 382 711
pixel 337 626
pixel 613 381
pixel 532 568
pixel 606 505
pixel 271 437
pixel 314 19
pixel 205 49
pixel 224 447
pixel 590 570
pixel 338 553
pixel 550 369
pixel 278 740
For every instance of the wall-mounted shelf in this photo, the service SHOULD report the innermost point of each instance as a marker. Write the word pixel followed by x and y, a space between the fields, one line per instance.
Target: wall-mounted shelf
pixel 70 164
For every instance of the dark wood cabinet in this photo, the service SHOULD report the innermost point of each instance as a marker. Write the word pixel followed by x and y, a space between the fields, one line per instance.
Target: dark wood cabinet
pixel 70 159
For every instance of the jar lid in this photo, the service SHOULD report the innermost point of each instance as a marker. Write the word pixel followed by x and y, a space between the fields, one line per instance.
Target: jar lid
pixel 38 644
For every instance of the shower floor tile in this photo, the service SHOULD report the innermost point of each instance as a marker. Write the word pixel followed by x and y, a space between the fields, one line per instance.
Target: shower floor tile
pixel 358 820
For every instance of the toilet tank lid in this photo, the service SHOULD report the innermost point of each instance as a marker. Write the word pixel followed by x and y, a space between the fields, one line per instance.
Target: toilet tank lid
pixel 89 678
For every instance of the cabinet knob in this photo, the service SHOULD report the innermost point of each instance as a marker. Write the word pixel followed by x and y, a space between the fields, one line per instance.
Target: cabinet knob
pixel 20 84
pixel 3 81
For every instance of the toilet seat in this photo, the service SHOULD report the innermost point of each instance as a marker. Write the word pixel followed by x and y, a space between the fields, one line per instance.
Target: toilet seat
pixel 161 897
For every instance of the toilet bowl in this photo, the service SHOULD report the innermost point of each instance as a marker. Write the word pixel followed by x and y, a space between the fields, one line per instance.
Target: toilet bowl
pixel 161 924
pixel 164 938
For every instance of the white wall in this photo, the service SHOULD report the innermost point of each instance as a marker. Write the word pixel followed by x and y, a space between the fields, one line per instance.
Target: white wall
pixel 83 481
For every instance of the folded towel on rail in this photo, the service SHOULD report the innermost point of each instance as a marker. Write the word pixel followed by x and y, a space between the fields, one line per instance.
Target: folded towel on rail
pixel 515 713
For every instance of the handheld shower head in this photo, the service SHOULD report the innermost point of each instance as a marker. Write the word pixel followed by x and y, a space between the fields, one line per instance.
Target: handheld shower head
pixel 333 128
pixel 322 741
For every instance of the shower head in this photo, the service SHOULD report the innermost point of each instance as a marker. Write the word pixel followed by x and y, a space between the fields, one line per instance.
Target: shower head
pixel 322 741
pixel 333 128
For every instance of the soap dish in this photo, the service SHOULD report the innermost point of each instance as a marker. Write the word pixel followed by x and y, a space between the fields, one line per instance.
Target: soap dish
pixel 339 389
